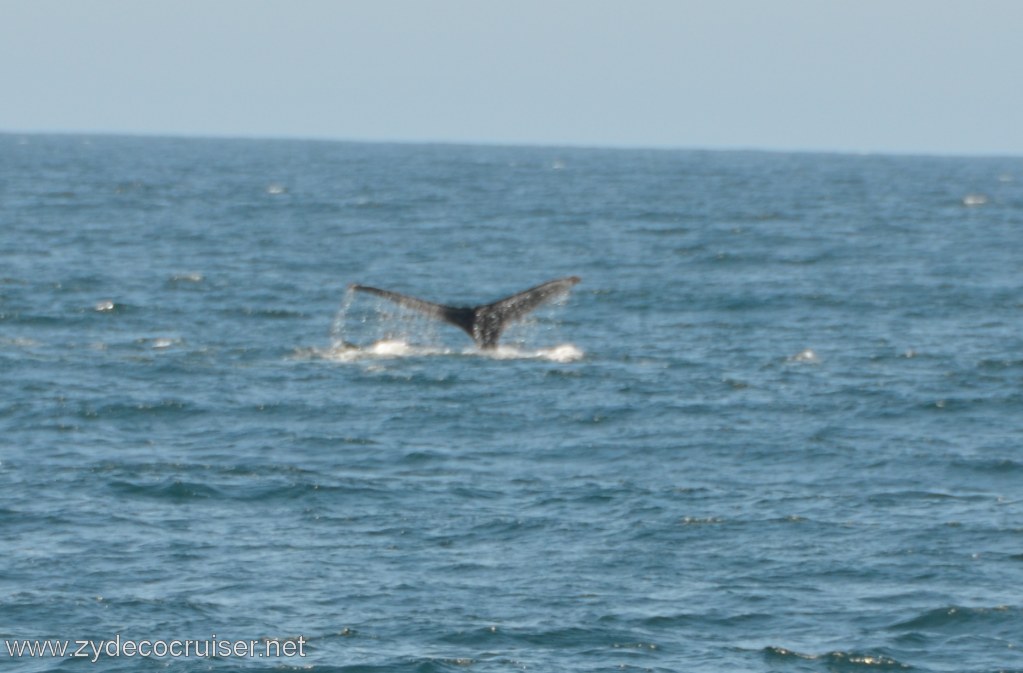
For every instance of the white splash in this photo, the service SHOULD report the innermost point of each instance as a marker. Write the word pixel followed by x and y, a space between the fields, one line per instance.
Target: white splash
pixel 393 348
pixel 161 343
pixel 378 350
pixel 807 355
pixel 387 349
pixel 560 353
pixel 563 353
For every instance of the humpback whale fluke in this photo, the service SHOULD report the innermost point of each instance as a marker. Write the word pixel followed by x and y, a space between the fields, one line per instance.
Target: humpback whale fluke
pixel 486 322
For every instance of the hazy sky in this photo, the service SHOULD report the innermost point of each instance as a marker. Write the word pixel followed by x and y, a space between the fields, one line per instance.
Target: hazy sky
pixel 919 76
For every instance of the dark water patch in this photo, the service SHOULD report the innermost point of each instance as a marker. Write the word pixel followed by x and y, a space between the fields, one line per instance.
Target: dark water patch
pixel 320 492
pixel 1000 365
pixel 133 411
pixel 705 621
pixel 507 530
pixel 896 498
pixel 170 490
pixel 267 314
pixel 237 483
pixel 34 319
pixel 670 231
pixel 1001 467
pixel 423 457
pixel 582 640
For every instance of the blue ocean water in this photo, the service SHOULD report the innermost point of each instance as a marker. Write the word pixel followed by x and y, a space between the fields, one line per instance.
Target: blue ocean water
pixel 787 436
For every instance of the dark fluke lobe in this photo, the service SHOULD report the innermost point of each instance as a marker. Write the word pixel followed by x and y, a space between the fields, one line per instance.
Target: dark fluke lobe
pixel 484 323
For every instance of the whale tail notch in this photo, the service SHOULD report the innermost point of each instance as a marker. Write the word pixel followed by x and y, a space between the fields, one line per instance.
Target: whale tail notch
pixel 484 323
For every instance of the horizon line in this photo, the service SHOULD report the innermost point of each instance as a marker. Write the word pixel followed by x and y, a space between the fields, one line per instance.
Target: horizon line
pixel 524 144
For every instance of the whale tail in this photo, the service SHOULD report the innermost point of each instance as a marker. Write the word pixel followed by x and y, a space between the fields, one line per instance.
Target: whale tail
pixel 484 323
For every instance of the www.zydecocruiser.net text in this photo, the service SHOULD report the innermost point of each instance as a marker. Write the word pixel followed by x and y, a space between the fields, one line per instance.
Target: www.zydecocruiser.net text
pixel 93 650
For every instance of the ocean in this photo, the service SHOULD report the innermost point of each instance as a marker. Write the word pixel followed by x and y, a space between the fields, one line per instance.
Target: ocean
pixel 776 427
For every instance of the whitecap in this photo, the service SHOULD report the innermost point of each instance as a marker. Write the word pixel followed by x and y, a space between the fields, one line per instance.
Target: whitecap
pixel 806 355
pixel 191 277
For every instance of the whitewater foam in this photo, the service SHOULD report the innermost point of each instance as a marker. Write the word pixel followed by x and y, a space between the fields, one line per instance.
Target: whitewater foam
pixel 399 348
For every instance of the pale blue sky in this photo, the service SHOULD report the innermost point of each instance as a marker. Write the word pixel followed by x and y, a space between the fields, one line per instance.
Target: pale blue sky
pixel 906 76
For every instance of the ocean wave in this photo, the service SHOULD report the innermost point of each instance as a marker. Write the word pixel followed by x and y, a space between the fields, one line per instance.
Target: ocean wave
pixel 1001 467
pixel 575 637
pixel 173 490
pixel 839 661
pixel 128 410
pixel 237 484
pixel 956 618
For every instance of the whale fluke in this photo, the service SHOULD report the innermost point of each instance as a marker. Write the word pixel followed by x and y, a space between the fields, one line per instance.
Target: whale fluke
pixel 486 322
